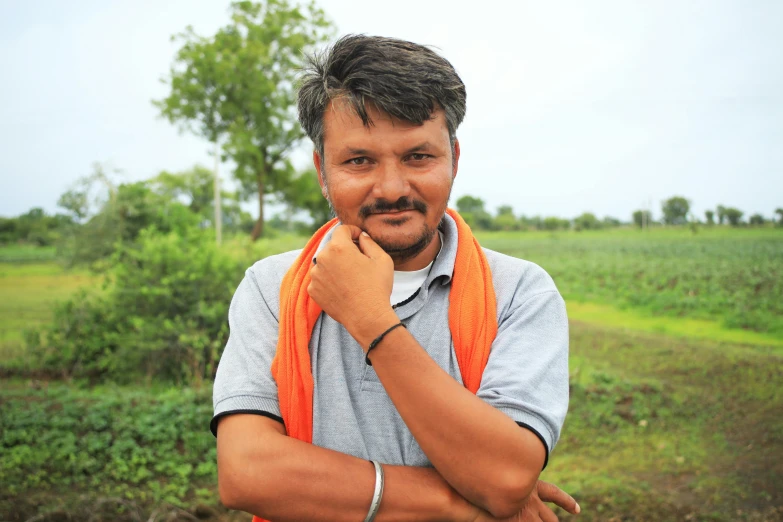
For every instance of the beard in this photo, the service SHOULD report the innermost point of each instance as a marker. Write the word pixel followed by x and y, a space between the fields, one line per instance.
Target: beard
pixel 401 250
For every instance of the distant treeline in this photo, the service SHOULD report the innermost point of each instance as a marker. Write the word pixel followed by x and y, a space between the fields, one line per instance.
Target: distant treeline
pixel 675 211
pixel 97 211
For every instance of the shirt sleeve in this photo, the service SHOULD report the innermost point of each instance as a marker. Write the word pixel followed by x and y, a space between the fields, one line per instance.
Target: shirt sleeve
pixel 526 376
pixel 244 382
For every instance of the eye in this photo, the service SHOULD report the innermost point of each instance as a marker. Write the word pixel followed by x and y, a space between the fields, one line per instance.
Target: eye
pixel 418 156
pixel 357 161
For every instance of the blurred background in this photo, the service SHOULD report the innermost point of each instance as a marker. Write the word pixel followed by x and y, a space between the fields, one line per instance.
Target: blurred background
pixel 150 153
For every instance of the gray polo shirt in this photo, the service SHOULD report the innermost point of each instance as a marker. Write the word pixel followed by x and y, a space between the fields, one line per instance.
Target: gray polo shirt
pixel 526 376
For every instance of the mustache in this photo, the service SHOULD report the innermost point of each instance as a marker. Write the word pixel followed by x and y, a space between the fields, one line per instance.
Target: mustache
pixel 404 203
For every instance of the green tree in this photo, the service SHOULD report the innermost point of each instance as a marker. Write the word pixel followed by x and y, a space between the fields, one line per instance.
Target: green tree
pixel 35 227
pixel 472 211
pixel 587 221
pixel 239 85
pixel 528 223
pixel 130 208
pixel 506 210
pixel 470 204
pixel 721 214
pixel 779 212
pixel 76 203
pixel 642 218
pixel 195 188
pixel 757 220
pixel 733 215
pixel 675 210
pixel 505 219
pixel 303 192
pixel 556 223
pixel 710 215
pixel 611 222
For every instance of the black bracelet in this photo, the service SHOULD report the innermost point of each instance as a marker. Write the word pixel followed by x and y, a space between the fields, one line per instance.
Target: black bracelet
pixel 378 340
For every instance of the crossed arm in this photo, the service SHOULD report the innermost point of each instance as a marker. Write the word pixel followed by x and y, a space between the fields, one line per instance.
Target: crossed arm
pixel 263 471
pixel 485 466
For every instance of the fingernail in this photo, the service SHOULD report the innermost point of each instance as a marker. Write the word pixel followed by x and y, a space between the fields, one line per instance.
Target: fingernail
pixel 365 234
pixel 577 509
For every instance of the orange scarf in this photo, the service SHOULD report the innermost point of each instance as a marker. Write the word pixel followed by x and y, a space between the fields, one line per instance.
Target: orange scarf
pixel 472 323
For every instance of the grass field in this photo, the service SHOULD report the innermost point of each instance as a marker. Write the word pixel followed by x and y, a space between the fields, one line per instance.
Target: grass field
pixel 730 276
pixel 674 414
pixel 29 290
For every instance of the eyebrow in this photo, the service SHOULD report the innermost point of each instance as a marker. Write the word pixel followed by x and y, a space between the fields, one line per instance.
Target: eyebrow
pixel 421 147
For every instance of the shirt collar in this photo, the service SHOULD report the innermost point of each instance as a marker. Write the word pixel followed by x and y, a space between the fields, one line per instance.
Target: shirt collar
pixel 444 263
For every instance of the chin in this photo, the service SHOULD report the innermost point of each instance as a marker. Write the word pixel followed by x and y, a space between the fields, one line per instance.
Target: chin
pixel 403 244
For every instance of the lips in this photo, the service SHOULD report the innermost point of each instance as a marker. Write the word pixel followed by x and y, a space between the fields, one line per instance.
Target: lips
pixel 393 212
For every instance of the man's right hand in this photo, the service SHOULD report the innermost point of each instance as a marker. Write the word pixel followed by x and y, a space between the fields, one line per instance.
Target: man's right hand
pixel 535 509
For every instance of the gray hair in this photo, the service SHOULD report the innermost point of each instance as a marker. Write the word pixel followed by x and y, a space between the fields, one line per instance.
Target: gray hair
pixel 405 80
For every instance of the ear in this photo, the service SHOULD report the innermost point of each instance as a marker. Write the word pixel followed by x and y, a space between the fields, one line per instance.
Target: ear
pixel 455 161
pixel 318 163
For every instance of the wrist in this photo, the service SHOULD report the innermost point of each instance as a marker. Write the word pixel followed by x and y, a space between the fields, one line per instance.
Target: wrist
pixel 457 509
pixel 371 326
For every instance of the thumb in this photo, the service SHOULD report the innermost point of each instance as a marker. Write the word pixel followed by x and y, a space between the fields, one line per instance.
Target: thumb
pixel 370 248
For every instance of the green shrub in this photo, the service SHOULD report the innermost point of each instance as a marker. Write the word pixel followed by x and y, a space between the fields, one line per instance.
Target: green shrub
pixel 162 314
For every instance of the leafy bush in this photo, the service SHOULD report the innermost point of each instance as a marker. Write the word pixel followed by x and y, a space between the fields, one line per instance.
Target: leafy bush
pixel 162 314
pixel 132 208
pixel 129 443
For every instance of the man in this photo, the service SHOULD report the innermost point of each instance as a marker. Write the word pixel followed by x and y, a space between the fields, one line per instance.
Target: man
pixel 391 337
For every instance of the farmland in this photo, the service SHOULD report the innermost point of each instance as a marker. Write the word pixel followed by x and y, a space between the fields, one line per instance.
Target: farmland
pixel 676 352
pixel 729 276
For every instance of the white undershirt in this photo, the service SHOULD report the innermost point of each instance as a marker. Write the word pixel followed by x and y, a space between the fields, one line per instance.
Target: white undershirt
pixel 405 283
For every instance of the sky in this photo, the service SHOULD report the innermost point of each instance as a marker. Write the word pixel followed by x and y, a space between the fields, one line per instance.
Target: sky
pixel 600 106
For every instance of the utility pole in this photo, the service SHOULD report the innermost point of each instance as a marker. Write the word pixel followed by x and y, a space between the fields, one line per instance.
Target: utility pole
pixel 218 210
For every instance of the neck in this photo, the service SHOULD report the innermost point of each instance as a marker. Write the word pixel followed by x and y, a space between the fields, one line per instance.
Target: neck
pixel 420 260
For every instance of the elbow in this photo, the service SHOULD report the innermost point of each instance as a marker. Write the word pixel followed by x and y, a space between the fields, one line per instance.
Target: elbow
pixel 234 490
pixel 230 492
pixel 509 493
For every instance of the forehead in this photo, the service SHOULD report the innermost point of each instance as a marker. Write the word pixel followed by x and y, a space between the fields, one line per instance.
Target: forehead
pixel 342 125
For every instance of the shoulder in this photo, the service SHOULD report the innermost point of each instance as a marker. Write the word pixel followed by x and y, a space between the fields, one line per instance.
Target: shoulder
pixel 517 280
pixel 266 275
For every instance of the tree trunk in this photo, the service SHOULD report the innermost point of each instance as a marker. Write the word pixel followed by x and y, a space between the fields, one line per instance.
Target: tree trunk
pixel 258 228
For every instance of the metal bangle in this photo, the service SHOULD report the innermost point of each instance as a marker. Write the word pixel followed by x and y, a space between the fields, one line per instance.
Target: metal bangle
pixel 377 494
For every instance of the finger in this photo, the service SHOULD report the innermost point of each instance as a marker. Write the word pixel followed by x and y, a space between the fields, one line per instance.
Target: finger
pixel 346 233
pixel 547 515
pixel 551 493
pixel 370 248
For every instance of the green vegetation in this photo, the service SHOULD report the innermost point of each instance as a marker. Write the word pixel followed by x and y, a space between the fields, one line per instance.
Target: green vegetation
pixel 128 443
pixel 239 86
pixel 674 415
pixel 661 428
pixel 734 277
pixel 30 291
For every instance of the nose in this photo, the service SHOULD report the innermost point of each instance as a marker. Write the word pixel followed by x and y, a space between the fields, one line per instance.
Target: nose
pixel 391 182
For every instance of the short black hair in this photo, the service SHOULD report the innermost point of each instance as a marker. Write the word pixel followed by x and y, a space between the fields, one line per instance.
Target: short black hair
pixel 408 81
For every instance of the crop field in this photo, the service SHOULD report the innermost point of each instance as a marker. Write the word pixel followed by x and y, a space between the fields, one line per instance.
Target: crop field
pixel 676 363
pixel 734 277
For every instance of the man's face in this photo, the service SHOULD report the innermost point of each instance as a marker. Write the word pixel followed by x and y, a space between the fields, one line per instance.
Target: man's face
pixel 392 179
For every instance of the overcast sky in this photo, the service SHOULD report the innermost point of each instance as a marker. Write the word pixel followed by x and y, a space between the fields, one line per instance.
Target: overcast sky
pixel 598 106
